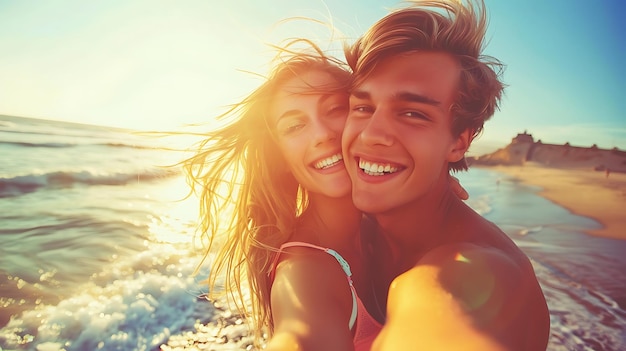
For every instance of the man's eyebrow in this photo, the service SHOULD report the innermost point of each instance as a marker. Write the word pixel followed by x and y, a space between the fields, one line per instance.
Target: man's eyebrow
pixel 412 97
pixel 360 94
pixel 402 96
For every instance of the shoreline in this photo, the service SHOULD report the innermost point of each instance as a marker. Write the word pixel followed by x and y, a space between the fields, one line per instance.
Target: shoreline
pixel 584 192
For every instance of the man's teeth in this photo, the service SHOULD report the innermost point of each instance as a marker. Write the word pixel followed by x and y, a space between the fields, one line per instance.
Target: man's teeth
pixel 329 161
pixel 376 169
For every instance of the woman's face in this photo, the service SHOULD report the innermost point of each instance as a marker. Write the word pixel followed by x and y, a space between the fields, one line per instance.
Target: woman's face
pixel 308 129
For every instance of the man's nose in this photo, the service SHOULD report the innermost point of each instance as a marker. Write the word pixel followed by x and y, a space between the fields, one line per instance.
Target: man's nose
pixel 377 131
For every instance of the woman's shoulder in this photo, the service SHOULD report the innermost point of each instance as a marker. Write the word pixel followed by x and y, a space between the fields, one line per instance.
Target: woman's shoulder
pixel 311 296
pixel 307 258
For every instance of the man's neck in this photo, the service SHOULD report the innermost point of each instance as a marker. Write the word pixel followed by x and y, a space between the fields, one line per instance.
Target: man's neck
pixel 416 228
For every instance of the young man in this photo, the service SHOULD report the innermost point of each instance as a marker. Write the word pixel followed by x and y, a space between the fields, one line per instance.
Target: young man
pixel 443 277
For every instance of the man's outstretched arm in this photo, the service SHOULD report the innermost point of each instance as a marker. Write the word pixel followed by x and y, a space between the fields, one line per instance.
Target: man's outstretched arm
pixel 465 297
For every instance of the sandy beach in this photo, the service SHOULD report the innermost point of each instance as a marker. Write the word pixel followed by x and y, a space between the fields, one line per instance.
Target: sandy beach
pixel 582 191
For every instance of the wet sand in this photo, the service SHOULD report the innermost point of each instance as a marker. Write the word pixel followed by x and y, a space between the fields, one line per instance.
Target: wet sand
pixel 584 192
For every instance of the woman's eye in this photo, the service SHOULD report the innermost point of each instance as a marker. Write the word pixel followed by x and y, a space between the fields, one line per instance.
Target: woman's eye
pixel 292 128
pixel 338 110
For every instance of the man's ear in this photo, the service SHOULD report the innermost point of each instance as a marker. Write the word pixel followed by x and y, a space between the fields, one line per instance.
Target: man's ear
pixel 460 146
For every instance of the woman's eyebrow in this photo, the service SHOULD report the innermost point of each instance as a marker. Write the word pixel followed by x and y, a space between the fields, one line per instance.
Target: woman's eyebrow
pixel 288 113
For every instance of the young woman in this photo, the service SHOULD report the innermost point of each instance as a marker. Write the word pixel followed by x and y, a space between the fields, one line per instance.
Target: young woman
pixel 273 185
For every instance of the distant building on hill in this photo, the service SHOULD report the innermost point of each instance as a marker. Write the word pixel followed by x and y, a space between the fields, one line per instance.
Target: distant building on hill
pixel 523 148
pixel 523 138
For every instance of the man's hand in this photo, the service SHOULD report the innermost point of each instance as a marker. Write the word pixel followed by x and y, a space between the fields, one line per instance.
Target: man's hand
pixel 457 188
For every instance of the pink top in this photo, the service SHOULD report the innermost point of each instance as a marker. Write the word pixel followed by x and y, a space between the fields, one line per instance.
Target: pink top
pixel 367 328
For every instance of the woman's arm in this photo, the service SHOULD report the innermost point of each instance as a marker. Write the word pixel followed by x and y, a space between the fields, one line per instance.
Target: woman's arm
pixel 311 303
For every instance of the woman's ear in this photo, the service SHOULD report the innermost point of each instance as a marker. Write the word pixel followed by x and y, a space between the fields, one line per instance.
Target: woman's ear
pixel 460 146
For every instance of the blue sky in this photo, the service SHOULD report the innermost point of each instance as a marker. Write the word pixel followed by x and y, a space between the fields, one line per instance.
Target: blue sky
pixel 156 64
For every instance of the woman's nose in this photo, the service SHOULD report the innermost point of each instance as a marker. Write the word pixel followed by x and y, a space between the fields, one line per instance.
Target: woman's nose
pixel 323 132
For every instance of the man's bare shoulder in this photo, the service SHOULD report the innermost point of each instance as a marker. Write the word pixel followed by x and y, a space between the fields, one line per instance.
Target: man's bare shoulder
pixel 487 297
pixel 470 228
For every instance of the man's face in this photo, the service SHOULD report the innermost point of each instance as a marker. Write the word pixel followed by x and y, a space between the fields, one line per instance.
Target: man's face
pixel 398 138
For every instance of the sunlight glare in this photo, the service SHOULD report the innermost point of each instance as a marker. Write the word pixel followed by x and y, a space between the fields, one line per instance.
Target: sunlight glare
pixel 459 257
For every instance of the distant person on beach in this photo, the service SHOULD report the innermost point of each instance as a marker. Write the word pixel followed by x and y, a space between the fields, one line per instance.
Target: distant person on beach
pixel 443 277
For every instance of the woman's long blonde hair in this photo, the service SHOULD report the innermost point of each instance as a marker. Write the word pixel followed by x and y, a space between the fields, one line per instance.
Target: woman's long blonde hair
pixel 247 193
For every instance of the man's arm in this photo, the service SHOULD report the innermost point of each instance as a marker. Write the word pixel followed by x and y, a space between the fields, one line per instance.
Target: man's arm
pixel 464 297
pixel 311 303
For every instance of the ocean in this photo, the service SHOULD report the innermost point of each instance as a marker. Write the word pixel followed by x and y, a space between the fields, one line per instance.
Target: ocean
pixel 99 247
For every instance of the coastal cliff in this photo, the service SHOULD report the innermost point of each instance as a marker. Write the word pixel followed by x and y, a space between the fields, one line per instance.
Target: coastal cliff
pixel 523 148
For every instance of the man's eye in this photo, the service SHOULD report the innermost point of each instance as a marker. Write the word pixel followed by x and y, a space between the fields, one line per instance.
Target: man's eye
pixel 414 114
pixel 362 109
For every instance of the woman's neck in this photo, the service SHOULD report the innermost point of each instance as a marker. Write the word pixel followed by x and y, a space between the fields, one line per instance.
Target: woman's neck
pixel 330 222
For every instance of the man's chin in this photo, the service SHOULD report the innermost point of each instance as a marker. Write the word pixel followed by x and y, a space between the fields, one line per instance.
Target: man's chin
pixel 368 205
